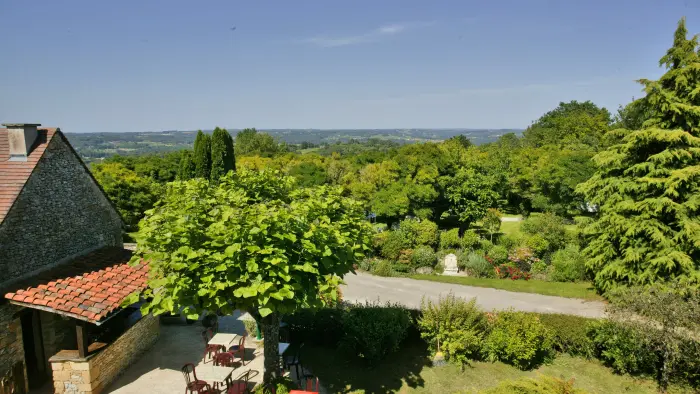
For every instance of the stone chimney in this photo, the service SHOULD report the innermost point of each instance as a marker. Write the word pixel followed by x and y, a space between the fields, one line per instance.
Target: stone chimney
pixel 22 137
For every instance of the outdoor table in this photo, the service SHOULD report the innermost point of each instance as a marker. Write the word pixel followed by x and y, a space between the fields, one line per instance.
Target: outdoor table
pixel 225 340
pixel 211 373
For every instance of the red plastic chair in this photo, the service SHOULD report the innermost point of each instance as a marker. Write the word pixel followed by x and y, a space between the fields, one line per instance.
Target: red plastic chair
pixel 193 385
pixel 311 384
pixel 238 386
pixel 210 350
pixel 224 359
pixel 239 350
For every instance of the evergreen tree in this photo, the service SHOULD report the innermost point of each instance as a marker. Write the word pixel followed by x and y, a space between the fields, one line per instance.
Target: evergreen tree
pixel 647 186
pixel 202 155
pixel 222 156
pixel 186 170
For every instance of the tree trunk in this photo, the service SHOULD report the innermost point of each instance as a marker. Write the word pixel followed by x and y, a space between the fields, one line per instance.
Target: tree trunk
pixel 271 340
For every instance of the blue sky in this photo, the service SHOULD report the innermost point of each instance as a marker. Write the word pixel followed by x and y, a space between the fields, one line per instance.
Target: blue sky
pixel 90 66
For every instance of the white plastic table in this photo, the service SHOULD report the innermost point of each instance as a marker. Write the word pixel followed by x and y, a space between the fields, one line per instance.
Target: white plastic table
pixel 226 340
pixel 211 373
pixel 283 346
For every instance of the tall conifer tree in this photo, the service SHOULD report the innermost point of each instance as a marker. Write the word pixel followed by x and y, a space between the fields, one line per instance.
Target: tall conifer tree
pixel 647 186
pixel 222 160
pixel 186 170
pixel 202 155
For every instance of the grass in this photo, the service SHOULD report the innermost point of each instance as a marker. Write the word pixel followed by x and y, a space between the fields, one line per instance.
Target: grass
pixel 410 371
pixel 582 290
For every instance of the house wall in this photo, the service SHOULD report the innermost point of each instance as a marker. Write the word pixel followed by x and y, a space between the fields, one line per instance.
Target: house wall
pixel 57 334
pixel 11 344
pixel 60 214
pixel 94 374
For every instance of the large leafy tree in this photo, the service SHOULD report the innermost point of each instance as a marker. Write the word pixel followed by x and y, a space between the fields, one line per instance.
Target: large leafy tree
pixel 648 185
pixel 471 194
pixel 572 122
pixel 202 155
pixel 252 142
pixel 254 242
pixel 222 158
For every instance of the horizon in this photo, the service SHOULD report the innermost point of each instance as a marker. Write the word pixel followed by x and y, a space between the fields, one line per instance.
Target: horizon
pixel 165 66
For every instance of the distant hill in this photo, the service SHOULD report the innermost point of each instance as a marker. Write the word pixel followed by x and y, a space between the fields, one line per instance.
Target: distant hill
pixel 98 145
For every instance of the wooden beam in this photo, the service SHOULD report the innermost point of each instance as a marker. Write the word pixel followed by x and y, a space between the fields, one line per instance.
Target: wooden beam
pixel 82 335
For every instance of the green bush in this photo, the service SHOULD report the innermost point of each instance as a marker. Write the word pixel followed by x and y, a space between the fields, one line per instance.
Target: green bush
pixel 485 245
pixel 538 244
pixel 367 263
pixel 423 256
pixel 549 227
pixel 499 254
pixel 569 265
pixel 395 242
pixel 383 268
pixel 420 232
pixel 511 241
pixel 470 240
pixel 518 338
pixel 449 239
pixel 570 333
pixel 477 266
pixel 621 348
pixel 372 331
pixel 541 385
pixel 378 241
pixel 454 326
pixel 539 267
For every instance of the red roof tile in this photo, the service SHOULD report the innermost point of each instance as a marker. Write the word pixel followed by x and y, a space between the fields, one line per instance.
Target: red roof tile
pixel 72 288
pixel 14 174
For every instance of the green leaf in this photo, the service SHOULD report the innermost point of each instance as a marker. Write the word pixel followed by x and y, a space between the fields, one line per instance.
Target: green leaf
pixel 264 311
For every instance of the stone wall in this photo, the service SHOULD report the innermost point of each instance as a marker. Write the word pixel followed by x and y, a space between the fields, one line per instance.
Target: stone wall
pixel 11 344
pixel 60 214
pixel 57 333
pixel 94 374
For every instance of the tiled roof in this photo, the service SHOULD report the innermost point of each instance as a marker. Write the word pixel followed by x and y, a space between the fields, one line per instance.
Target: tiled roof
pixel 14 174
pixel 88 288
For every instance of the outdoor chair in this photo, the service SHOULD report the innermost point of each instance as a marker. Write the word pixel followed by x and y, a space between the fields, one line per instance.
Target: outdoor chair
pixel 210 350
pixel 239 350
pixel 311 383
pixel 294 360
pixel 224 359
pixel 238 386
pixel 207 389
pixel 194 385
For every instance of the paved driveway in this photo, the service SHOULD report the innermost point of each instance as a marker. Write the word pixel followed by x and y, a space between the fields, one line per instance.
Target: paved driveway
pixel 365 287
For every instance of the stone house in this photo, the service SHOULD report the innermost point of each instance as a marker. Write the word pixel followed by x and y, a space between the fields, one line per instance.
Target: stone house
pixel 63 271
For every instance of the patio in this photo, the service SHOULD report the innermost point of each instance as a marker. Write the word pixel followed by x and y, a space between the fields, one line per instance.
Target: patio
pixel 159 369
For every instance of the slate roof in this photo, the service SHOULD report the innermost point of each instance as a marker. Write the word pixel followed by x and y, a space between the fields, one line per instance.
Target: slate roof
pixel 91 287
pixel 14 174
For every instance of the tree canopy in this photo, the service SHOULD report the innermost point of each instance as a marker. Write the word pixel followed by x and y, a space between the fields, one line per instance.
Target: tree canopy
pixel 202 155
pixel 222 157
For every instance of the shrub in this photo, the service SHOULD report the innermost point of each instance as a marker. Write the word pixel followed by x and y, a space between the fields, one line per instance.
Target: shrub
pixel 406 257
pixel 538 267
pixel 470 240
pixel 549 227
pixel 485 245
pixel 498 253
pixel 251 327
pixel 541 385
pixel 538 244
pixel 511 271
pixel 511 241
pixel 569 265
pixel 453 325
pixel 519 339
pixel 478 266
pixel 522 258
pixel 420 232
pixel 449 239
pixel 423 256
pixel 367 263
pixel 383 268
pixel 622 348
pixel 570 333
pixel 395 242
pixel 371 331
pixel 378 241
pixel 322 327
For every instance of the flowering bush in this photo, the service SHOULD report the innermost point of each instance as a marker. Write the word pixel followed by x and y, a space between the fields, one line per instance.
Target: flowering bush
pixel 522 258
pixel 510 271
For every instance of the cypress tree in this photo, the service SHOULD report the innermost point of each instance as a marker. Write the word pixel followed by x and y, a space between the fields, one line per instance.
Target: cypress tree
pixel 202 155
pixel 222 160
pixel 647 185
pixel 186 170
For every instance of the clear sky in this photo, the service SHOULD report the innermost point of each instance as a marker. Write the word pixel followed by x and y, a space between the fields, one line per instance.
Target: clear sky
pixel 125 65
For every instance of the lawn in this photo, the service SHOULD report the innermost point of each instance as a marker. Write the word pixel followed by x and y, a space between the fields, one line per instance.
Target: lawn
pixel 409 371
pixel 582 290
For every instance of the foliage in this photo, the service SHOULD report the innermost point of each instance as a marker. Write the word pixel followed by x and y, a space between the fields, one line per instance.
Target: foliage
pixel 420 232
pixel 570 123
pixel 492 221
pixel 454 326
pixel 511 271
pixel 647 184
pixel 251 327
pixel 450 239
pixel 549 227
pixel 522 258
pixel 253 242
pixel 423 256
pixel 570 333
pixel 383 268
pixel 568 264
pixel 498 253
pixel 251 142
pixel 309 174
pixel 470 240
pixel 186 169
pixel 372 331
pixel 395 242
pixel 518 338
pixel 132 194
pixel 471 194
pixel 202 155
pixel 541 385
pixel 478 266
pixel 222 157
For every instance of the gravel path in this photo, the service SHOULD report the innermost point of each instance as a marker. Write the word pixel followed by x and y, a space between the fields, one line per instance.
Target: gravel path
pixel 365 287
